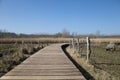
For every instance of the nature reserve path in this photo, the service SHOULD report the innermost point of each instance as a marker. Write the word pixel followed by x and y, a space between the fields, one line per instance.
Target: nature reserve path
pixel 50 63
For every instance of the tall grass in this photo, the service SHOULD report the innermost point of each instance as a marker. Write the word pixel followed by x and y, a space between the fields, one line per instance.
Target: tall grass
pixel 108 61
pixel 12 54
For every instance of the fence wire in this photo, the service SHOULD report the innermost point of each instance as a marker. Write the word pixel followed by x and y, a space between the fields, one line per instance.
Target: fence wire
pixel 102 56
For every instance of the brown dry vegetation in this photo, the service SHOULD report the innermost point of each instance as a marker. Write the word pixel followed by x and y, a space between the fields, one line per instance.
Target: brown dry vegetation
pixel 13 54
pixel 104 65
pixel 96 73
pixel 101 40
pixel 59 40
pixel 41 40
pixel 112 40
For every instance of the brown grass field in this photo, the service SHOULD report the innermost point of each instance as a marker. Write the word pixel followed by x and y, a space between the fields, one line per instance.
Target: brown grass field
pixel 41 40
pixel 58 40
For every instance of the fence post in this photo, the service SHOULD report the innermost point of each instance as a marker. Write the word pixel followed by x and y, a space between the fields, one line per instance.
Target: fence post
pixel 88 49
pixel 38 43
pixel 70 44
pixel 73 44
pixel 22 46
pixel 78 45
pixel 22 43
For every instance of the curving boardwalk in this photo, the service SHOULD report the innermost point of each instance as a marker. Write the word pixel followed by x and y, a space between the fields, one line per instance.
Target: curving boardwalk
pixel 48 63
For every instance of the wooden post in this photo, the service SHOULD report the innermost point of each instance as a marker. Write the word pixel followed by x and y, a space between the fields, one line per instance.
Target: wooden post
pixel 38 43
pixel 22 45
pixel 73 44
pixel 78 46
pixel 70 44
pixel 88 49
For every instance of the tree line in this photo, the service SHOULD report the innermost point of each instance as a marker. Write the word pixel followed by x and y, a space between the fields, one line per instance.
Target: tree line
pixel 65 34
pixel 6 34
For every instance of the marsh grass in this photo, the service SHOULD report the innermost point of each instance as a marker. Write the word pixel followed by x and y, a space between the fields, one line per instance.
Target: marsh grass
pixel 13 54
pixel 108 61
pixel 95 71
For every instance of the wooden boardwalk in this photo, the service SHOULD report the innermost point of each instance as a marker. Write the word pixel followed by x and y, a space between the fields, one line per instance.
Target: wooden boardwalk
pixel 48 63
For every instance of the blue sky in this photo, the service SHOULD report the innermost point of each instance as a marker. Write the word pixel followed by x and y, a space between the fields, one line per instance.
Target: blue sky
pixel 52 16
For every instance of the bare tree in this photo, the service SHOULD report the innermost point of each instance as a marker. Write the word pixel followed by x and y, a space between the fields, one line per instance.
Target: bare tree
pixel 65 33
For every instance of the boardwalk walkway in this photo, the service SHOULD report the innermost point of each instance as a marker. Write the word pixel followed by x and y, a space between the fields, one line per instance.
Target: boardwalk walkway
pixel 48 63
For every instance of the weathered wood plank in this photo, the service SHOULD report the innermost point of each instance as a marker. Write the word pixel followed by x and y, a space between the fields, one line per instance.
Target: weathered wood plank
pixel 43 74
pixel 43 77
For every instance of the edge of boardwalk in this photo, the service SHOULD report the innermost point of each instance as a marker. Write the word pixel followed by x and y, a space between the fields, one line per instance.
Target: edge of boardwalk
pixel 81 69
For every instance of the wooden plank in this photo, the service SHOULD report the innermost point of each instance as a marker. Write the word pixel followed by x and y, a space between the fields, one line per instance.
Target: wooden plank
pixel 45 70
pixel 43 77
pixel 43 74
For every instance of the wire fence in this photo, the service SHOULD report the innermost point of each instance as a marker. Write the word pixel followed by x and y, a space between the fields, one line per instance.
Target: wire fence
pixel 104 55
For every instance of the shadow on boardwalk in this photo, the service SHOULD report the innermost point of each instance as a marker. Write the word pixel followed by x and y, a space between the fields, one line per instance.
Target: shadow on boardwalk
pixel 81 69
